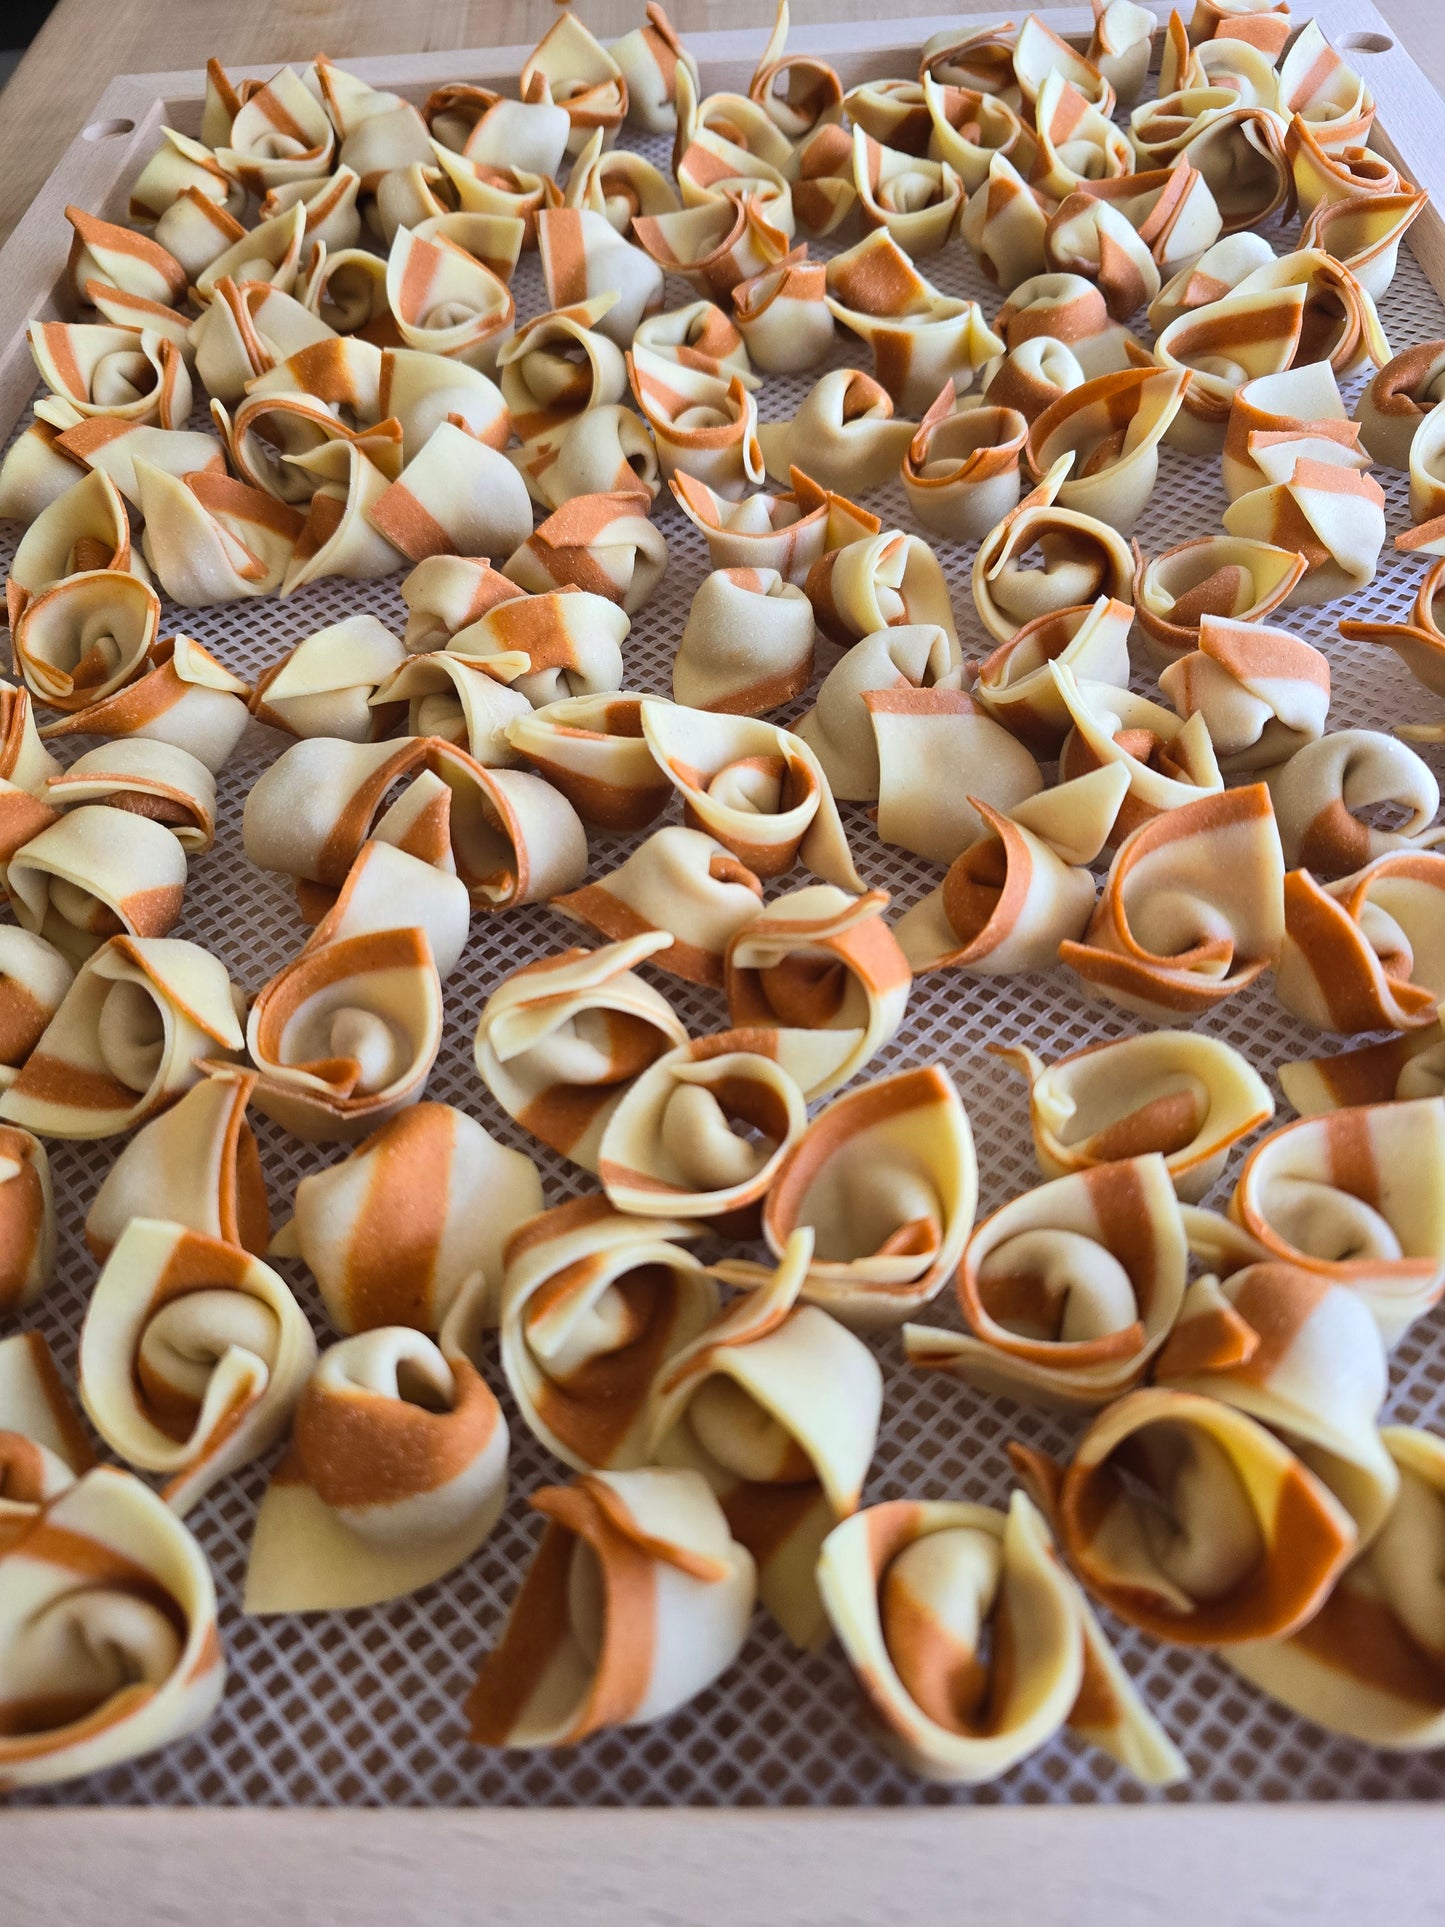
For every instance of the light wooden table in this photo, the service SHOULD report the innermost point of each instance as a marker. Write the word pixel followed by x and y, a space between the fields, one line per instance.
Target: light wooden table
pixel 1119 1867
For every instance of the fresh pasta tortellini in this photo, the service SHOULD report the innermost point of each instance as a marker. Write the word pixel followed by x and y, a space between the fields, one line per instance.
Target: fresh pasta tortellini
pixel 914 1589
pixel 192 1356
pixel 656 1538
pixel 1186 1096
pixel 1069 1290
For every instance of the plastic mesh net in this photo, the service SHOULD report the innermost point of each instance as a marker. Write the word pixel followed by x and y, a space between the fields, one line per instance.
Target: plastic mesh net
pixel 364 1708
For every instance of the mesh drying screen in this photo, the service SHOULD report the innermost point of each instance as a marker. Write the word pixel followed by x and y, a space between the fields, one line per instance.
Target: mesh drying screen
pixel 364 1707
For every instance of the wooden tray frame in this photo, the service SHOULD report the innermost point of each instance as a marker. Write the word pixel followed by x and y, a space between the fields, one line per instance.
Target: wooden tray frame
pixel 1260 1866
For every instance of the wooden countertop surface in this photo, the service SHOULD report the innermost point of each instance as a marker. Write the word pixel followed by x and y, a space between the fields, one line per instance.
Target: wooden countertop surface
pixel 1120 1867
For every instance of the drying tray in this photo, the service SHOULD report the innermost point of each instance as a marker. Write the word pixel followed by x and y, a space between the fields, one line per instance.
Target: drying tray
pixel 364 1708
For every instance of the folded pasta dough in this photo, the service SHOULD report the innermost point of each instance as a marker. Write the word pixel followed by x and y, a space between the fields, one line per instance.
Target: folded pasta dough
pixel 703 425
pixel 280 132
pixel 967 127
pixel 1263 693
pixel 557 366
pixel 1010 898
pixel 1111 427
pixel 680 882
pixel 126 1041
pixel 134 376
pixel 787 532
pixel 196 1165
pixel 1265 24
pixel 824 192
pixel 1120 47
pixel 554 643
pixel 1324 175
pixel 346 1034
pixel 186 698
pixel 649 58
pixel 105 257
pixel 1352 1196
pixel 157 781
pixel 699 337
pixel 509 836
pixel 333 220
pixel 919 201
pixel 1228 578
pixel 754 786
pixel 84 638
pixel 1368 1664
pixel 1081 559
pixel 560 1040
pixel 97 441
pixel 1319 791
pixel 1169 763
pixel 961 470
pixel 27 1220
pixel 581 76
pixel 913 1588
pixel 1074 141
pixel 797 91
pixel 1397 398
pixel 583 254
pixel 1003 222
pixel 981 58
pixel 378 129
pixel 1226 343
pixel 1188 1097
pixel 1038 52
pixel 1362 954
pixel 920 734
pixel 445 593
pixel 177 164
pixel 593 750
pixel 42 1441
pixel 396 1234
pixel 1192 911
pixel 879 582
pixel 1232 1540
pixel 571 1660
pixel 747 644
pixel 782 314
pixel 96 872
pixel 719 244
pixel 275 440
pixel 35 472
pixel 427 392
pixel 1303 1357
pixel 1031 376
pixel 530 133
pixel 109 1646
pixel 777 1405
pixel 1332 515
pixel 248 329
pixel 456 699
pixel 594 1304
pixel 324 684
pixel 1300 403
pixel 396 1473
pixel 447 302
pixel 604 544
pixel 844 431
pixel 920 340
pixel 493 188
pixel 1067 308
pixel 839 729
pixel 1069 1290
pixel 1364 234
pixel 883 1184
pixel 703 1131
pixel 816 959
pixel 1329 96
pixel 1014 682
pixel 34 978
pixel 1409 1064
pixel 456 497
pixel 1426 470
pixel 85 529
pixel 210 538
pixel 192 1356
